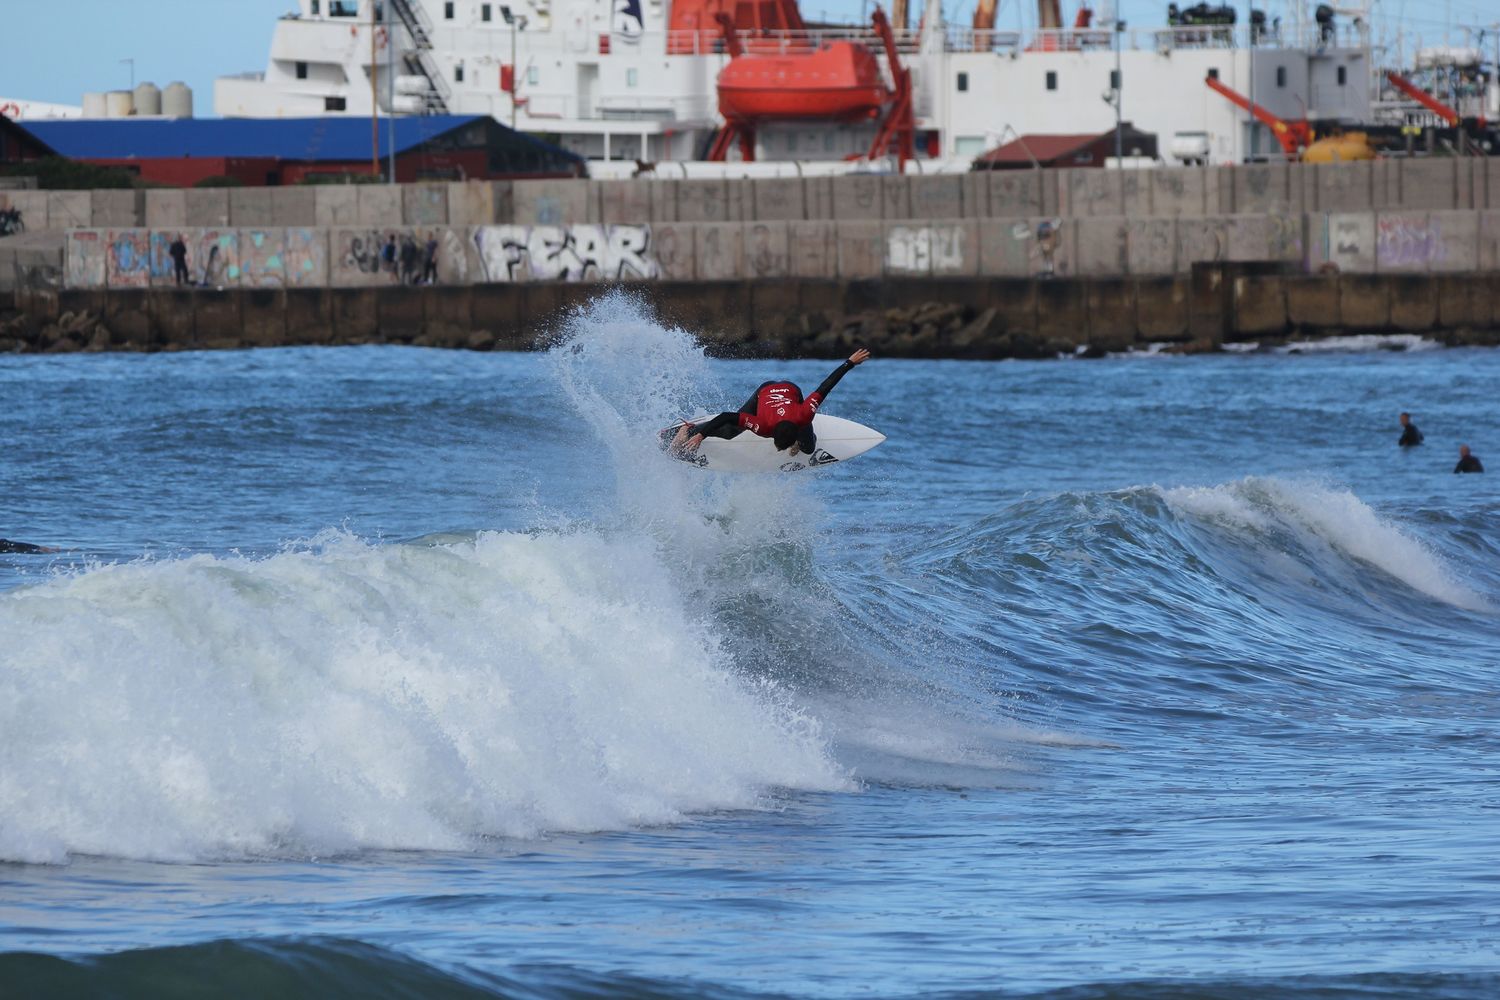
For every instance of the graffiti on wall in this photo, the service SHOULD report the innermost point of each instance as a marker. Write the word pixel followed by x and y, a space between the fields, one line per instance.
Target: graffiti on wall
pixel 306 259
pixel 1409 242
pixel 565 253
pixel 128 263
pixel 261 258
pixel 84 259
pixel 925 249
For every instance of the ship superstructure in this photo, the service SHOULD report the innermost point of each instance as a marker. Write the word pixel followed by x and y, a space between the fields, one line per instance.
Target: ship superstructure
pixel 638 79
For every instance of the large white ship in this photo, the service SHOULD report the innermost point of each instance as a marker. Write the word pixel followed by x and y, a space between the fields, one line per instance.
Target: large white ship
pixel 639 79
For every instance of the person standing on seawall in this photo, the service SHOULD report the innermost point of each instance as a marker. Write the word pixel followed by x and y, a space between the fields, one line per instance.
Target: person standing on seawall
pixel 178 252
pixel 1467 461
pixel 1410 436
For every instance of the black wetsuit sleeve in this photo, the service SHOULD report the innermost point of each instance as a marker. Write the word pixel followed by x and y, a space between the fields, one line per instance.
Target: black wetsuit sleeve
pixel 712 426
pixel 832 380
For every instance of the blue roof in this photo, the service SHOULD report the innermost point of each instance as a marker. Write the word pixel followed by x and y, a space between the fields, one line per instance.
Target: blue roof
pixel 311 139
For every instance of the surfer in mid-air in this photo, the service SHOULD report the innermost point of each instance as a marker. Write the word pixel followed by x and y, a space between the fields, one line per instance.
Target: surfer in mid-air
pixel 776 410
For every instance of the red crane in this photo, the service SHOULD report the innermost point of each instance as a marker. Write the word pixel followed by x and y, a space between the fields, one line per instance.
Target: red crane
pixel 1423 98
pixel 1294 136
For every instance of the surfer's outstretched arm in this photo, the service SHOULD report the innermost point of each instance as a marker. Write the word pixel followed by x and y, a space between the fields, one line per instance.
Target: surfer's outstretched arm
pixel 821 393
pixel 712 426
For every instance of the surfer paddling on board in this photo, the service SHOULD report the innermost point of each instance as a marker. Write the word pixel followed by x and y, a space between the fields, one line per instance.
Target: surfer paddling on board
pixel 776 410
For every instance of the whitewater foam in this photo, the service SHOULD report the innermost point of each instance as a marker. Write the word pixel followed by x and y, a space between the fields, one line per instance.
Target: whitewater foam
pixel 348 696
pixel 1325 520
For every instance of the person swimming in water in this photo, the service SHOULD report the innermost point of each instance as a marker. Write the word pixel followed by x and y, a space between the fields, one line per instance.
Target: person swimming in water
pixel 776 410
pixel 24 548
pixel 1467 461
pixel 1409 434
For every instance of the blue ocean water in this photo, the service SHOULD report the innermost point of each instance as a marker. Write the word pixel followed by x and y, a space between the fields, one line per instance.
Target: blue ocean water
pixel 393 672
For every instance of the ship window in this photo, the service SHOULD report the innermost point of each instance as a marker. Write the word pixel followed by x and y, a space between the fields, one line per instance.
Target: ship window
pixel 1114 79
pixel 343 8
pixel 1343 75
pixel 963 82
pixel 531 75
pixel 448 11
pixel 484 12
pixel 314 8
pixel 458 73
pixel 333 104
pixel 1213 74
pixel 302 71
pixel 1281 76
pixel 631 77
pixel 1052 79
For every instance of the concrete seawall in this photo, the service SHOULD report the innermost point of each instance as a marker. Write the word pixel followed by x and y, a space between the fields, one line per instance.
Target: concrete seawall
pixel 926 317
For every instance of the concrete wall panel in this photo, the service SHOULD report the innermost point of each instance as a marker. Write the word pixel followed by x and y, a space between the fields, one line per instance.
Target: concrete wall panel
pixel 1264 187
pixel 1151 246
pixel 1026 248
pixel 1200 240
pixel 721 252
pixel 207 208
pixel 1102 248
pixel 128 259
pixel 1136 195
pixel 1015 193
pixel 262 258
pixel 703 200
pixel 856 198
pixel 766 250
pixel 69 209
pixel 1181 191
pixel 214 258
pixel 457 256
pixel 378 204
pixel 31 204
pixel 250 208
pixel 1488 240
pixel 294 206
pixel 471 203
pixel 354 256
pixel 336 205
pixel 306 261
pixel 625 202
pixel 908 250
pixel 812 249
pixel 938 196
pixel 1341 242
pixel 166 209
pixel 503 252
pixel 1090 193
pixel 1426 241
pixel 162 273
pixel 817 197
pixel 861 249
pixel 955 249
pixel 85 258
pixel 1265 238
pixel 777 199
pixel 118 209
pixel 1429 183
pixel 424 204
pixel 675 250
pixel 895 196
pixel 1345 187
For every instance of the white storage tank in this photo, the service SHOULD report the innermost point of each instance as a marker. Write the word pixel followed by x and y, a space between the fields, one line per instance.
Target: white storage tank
pixel 94 105
pixel 408 104
pixel 119 104
pixel 411 85
pixel 177 100
pixel 147 99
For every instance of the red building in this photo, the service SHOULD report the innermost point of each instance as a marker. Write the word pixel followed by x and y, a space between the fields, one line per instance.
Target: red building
pixel 181 152
pixel 1091 150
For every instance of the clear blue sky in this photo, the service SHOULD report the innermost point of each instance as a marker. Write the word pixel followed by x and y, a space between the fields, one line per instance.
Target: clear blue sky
pixel 57 51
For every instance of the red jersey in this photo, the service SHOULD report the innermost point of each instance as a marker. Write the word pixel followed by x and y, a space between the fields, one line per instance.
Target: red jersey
pixel 778 401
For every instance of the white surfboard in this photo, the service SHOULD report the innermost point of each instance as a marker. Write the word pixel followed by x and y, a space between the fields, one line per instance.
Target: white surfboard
pixel 838 440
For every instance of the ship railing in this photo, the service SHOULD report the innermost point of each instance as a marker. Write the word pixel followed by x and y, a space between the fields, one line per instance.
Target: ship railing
pixel 773 43
pixel 1161 39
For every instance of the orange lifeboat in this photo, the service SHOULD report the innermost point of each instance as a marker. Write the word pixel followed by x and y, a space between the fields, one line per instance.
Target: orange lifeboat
pixel 841 80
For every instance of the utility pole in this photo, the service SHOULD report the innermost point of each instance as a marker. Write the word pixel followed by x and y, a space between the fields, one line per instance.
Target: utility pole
pixel 1118 88
pixel 1254 125
pixel 517 24
pixel 390 94
pixel 374 104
